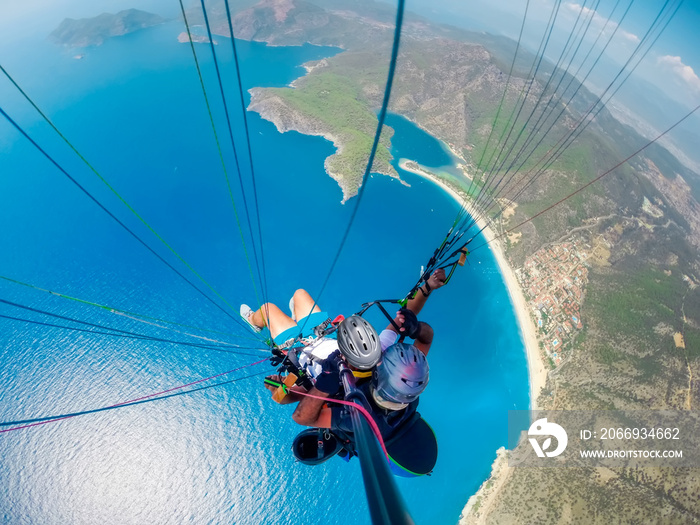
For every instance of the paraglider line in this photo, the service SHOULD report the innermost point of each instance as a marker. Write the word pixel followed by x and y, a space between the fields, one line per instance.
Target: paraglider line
pixel 250 151
pixel 124 226
pixel 375 144
pixel 116 193
pixel 117 330
pixel 584 121
pixel 534 131
pixel 158 396
pixel 565 141
pixel 133 336
pixel 235 153
pixel 141 318
pixel 510 230
pixel 500 105
pixel 539 57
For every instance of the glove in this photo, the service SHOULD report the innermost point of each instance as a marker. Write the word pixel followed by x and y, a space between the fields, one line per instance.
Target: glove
pixel 410 324
pixel 277 357
pixel 328 380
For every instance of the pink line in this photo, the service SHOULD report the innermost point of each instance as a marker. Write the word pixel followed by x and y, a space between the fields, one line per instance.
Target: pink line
pixel 139 398
pixel 363 411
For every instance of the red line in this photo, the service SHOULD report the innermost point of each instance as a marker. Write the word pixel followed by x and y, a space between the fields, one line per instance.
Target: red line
pixel 139 398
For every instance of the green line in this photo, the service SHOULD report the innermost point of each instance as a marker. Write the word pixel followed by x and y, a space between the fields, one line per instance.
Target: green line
pixel 114 191
pixel 118 311
pixel 402 467
pixel 221 155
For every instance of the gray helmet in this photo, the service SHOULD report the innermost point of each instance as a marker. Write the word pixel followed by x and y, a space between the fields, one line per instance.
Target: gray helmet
pixel 402 374
pixel 359 343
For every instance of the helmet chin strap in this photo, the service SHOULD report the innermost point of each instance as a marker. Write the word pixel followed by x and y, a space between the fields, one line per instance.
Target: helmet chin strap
pixel 383 403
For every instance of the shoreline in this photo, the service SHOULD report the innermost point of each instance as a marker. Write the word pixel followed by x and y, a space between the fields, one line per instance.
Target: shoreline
pixel 271 107
pixel 537 372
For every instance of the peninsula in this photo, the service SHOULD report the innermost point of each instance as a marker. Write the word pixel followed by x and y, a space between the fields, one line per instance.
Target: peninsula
pixel 183 38
pixel 94 31
pixel 606 283
pixel 327 106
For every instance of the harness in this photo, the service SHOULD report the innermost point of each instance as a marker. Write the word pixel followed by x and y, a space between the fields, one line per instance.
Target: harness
pixel 286 358
pixel 286 355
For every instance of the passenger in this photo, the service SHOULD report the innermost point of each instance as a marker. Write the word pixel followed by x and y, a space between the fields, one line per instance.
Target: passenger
pixel 391 375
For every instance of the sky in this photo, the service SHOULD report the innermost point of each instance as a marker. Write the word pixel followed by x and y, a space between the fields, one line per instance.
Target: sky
pixel 673 64
pixel 662 89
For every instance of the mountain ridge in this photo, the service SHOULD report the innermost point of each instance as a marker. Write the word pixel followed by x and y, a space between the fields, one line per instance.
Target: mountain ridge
pixel 94 31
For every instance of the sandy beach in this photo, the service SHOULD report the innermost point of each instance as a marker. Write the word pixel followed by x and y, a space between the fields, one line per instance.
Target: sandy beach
pixel 536 368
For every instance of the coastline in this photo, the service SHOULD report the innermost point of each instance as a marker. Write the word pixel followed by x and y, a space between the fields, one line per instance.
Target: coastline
pixel 479 505
pixel 536 369
pixel 481 502
pixel 274 109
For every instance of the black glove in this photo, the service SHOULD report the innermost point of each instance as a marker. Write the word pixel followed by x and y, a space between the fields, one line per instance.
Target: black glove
pixel 328 380
pixel 277 357
pixel 410 325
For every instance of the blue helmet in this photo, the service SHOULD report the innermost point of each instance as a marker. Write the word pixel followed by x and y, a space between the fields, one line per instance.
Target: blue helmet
pixel 402 374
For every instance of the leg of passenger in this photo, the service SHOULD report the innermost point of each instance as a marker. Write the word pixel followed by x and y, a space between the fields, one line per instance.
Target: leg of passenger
pixel 275 319
pixel 303 304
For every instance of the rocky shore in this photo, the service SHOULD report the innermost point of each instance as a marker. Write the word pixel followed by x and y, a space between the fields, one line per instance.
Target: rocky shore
pixel 277 110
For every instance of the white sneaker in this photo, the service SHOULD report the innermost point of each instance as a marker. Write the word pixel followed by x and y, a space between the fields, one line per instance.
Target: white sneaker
pixel 291 309
pixel 247 314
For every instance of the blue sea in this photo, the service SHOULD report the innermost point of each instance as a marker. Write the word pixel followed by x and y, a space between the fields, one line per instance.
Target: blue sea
pixel 135 109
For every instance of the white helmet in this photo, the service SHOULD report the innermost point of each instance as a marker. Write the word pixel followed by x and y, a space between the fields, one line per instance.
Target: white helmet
pixel 402 374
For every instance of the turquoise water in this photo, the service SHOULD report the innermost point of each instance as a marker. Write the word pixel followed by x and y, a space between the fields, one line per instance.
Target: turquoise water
pixel 134 107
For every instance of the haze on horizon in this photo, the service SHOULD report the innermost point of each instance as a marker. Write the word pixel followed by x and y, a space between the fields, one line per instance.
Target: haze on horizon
pixel 671 66
pixel 661 90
